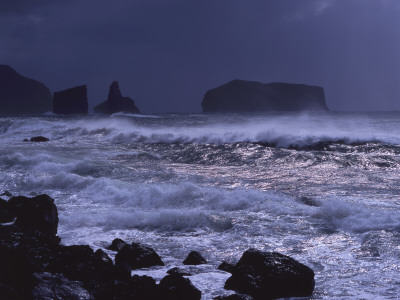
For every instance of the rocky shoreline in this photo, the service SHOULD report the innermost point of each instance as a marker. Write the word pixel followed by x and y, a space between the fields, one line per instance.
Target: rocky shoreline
pixel 35 265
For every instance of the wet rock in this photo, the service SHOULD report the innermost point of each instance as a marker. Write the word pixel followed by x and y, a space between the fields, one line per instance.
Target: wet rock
pixel 178 271
pixel 137 287
pixel 227 267
pixel 6 194
pixel 21 95
pixel 136 256
pixel 178 288
pixel 117 244
pixel 270 275
pixel 194 258
pixel 37 213
pixel 116 103
pixel 55 286
pixel 39 139
pixel 71 101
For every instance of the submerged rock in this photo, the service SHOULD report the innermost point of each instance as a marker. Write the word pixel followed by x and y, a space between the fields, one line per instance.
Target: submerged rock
pixel 136 256
pixel 116 103
pixel 71 101
pixel 38 139
pixel 248 96
pixel 178 271
pixel 270 275
pixel 176 287
pixel 21 95
pixel 194 258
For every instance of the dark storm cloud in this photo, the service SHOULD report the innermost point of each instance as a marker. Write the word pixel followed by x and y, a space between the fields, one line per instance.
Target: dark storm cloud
pixel 166 54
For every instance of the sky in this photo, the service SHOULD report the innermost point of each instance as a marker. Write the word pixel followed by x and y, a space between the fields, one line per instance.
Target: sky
pixel 167 53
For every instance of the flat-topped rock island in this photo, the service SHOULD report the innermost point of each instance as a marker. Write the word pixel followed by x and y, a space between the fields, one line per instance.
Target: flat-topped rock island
pixel 249 96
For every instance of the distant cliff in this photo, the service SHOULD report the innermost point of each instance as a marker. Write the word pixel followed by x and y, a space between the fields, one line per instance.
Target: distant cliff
pixel 71 101
pixel 116 103
pixel 249 96
pixel 21 95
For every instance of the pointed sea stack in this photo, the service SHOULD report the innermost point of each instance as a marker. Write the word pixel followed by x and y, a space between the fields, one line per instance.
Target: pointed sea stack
pixel 116 103
pixel 21 95
pixel 247 96
pixel 71 101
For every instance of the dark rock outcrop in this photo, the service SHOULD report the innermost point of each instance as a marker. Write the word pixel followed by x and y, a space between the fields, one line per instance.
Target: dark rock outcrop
pixel 270 275
pixel 227 267
pixel 178 271
pixel 234 297
pixel 194 258
pixel 138 288
pixel 37 213
pixel 116 244
pixel 248 96
pixel 71 101
pixel 136 256
pixel 176 287
pixel 21 95
pixel 116 103
pixel 37 139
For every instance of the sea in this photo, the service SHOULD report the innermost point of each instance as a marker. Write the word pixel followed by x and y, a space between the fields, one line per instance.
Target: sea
pixel 321 187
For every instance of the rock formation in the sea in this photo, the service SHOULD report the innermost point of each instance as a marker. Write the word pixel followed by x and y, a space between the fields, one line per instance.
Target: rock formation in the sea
pixel 71 101
pixel 116 103
pixel 194 258
pixel 21 95
pixel 270 275
pixel 248 96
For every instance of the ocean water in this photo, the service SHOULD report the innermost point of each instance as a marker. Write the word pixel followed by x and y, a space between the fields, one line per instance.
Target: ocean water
pixel 322 188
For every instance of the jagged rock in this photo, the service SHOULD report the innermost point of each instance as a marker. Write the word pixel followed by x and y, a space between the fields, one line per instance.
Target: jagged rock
pixel 177 287
pixel 55 286
pixel 39 139
pixel 136 256
pixel 178 271
pixel 20 95
pixel 71 101
pixel 116 103
pixel 227 267
pixel 248 96
pixel 117 245
pixel 194 258
pixel 37 213
pixel 270 275
pixel 6 194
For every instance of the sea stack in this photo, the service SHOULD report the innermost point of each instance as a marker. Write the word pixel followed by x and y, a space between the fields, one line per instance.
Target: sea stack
pixel 249 96
pixel 21 95
pixel 71 101
pixel 116 103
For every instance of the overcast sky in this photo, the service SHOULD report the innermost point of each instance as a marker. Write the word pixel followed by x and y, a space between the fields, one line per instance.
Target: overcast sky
pixel 167 53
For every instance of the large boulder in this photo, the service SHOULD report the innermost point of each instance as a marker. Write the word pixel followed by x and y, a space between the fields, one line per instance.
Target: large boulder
pixel 21 95
pixel 37 213
pixel 248 96
pixel 194 258
pixel 71 101
pixel 176 287
pixel 136 256
pixel 116 103
pixel 270 275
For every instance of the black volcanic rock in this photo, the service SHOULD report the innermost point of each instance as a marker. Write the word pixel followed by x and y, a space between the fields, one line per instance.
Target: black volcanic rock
pixel 116 103
pixel 248 96
pixel 39 139
pixel 21 95
pixel 194 258
pixel 270 275
pixel 117 244
pixel 176 287
pixel 71 101
pixel 136 256
pixel 37 213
